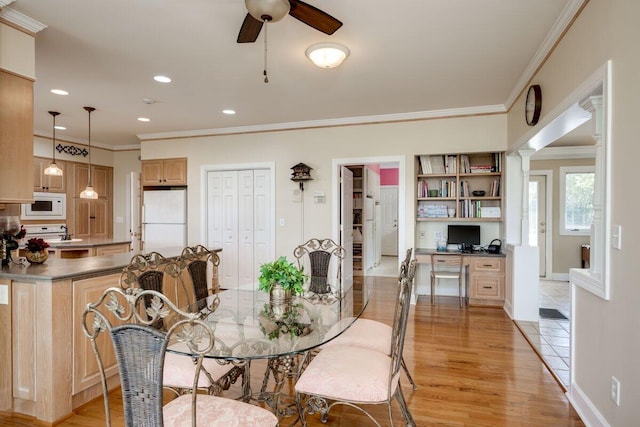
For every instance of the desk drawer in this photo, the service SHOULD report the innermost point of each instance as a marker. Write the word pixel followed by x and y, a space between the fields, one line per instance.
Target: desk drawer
pixel 486 287
pixel 486 264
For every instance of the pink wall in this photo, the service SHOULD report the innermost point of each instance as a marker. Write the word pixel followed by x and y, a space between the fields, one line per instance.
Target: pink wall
pixel 389 176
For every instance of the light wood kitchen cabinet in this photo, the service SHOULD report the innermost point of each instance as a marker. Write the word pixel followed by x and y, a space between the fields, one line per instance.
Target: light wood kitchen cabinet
pixel 486 280
pixel 91 218
pixel 164 172
pixel 101 177
pixel 16 138
pixel 85 368
pixel 42 182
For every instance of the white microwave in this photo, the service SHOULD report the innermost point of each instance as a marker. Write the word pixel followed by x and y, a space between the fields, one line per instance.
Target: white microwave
pixel 45 206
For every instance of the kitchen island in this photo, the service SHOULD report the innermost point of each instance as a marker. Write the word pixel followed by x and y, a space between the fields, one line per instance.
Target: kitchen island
pixel 47 367
pixel 81 248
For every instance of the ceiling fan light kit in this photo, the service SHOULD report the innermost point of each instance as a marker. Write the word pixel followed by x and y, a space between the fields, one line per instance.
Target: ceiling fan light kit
pixel 268 10
pixel 327 55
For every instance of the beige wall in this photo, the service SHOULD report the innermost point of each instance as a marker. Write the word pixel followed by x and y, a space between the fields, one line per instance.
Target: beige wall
pixel 125 162
pixel 606 332
pixel 317 148
pixel 566 249
pixel 17 51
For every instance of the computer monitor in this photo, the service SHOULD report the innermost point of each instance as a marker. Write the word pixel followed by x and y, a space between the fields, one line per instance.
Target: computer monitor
pixel 463 235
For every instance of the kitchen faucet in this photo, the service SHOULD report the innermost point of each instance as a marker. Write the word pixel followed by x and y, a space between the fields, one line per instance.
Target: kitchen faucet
pixel 65 236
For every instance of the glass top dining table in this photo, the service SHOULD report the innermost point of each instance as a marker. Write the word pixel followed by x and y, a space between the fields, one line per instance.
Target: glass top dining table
pixel 247 326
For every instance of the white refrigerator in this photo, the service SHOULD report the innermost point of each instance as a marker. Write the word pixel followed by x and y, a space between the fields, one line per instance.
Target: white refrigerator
pixel 164 219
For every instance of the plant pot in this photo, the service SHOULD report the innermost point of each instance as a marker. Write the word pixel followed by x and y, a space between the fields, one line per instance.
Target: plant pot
pixel 37 257
pixel 278 296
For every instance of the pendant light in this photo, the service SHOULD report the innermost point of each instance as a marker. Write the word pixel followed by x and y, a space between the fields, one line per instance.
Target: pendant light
pixel 89 192
pixel 53 168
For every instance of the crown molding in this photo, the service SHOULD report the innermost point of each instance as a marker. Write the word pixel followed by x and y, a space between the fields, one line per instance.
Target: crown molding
pixel 20 19
pixel 566 18
pixel 345 121
pixel 557 153
pixel 4 3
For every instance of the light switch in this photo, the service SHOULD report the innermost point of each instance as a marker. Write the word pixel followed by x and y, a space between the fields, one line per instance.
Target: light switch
pixel 616 236
pixel 281 222
pixel 4 294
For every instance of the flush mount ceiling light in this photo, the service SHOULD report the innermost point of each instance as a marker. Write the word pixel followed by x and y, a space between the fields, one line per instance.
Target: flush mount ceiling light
pixel 228 112
pixel 89 192
pixel 327 55
pixel 53 169
pixel 143 119
pixel 59 92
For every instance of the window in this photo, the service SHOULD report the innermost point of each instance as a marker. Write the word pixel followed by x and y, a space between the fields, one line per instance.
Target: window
pixel 576 200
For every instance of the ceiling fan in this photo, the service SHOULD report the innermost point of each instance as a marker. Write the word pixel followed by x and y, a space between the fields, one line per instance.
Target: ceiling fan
pixel 261 11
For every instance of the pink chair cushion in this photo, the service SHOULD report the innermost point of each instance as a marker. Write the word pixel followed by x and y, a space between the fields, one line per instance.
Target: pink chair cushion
pixel 214 411
pixel 348 373
pixel 364 333
pixel 179 371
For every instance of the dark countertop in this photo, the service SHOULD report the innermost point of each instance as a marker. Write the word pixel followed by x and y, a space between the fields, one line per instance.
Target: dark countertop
pixel 57 269
pixel 90 242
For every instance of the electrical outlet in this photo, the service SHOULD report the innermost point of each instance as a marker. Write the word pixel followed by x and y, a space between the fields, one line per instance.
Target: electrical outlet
pixel 422 234
pixel 615 390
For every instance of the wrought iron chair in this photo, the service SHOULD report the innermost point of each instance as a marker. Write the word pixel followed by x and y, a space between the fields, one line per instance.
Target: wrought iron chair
pixel 316 256
pixel 357 376
pixel 202 266
pixel 153 271
pixel 446 266
pixel 372 334
pixel 128 317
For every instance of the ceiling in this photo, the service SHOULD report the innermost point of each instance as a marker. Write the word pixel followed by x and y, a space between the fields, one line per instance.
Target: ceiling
pixel 407 59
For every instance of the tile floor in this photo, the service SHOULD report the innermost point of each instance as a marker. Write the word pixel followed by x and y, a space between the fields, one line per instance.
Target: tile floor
pixel 550 337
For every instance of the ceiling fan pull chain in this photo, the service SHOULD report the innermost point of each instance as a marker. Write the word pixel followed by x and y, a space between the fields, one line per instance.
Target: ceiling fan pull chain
pixel 266 78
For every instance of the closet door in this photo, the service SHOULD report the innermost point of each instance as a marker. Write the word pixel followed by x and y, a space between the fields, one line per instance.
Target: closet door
pixel 229 259
pixel 246 271
pixel 262 240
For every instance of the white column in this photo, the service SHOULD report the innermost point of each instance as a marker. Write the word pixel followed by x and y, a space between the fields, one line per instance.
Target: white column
pixel 525 156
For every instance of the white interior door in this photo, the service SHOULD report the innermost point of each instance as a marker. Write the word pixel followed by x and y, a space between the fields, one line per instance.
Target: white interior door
pixel 346 226
pixel 538 218
pixel 135 211
pixel 389 208
pixel 239 220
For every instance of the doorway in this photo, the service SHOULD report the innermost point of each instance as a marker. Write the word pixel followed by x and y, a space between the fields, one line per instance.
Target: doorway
pixel 337 217
pixel 540 226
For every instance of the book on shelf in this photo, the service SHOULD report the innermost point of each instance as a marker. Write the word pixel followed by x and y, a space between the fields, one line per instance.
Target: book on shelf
pixel 494 191
pixel 429 210
pixel 437 164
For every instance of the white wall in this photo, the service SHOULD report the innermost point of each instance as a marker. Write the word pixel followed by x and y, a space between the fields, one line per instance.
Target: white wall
pixel 317 148
pixel 606 332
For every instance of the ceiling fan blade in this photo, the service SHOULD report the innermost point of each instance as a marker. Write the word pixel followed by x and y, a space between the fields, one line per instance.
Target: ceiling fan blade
pixel 314 17
pixel 250 29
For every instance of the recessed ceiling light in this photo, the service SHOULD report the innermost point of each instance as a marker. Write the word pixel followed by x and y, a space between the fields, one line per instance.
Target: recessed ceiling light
pixel 229 112
pixel 162 79
pixel 59 92
pixel 143 119
pixel 60 127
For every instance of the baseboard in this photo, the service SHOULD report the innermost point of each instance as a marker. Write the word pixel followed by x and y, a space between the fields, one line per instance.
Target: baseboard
pixel 562 277
pixel 508 308
pixel 585 408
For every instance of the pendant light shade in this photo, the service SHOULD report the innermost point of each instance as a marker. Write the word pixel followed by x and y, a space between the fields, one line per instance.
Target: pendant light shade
pixel 53 168
pixel 89 192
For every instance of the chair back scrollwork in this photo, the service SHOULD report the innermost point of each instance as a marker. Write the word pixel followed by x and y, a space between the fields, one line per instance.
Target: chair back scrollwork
pixel 316 256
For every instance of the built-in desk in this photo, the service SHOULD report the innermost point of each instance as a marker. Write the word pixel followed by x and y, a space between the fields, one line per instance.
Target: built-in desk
pixel 484 275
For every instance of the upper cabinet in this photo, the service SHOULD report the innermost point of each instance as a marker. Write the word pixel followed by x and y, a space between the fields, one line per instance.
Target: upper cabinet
pixel 164 172
pixel 51 184
pixel 101 178
pixel 459 187
pixel 16 138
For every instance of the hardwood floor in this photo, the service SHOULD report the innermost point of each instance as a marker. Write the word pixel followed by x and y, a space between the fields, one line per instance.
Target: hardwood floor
pixel 472 365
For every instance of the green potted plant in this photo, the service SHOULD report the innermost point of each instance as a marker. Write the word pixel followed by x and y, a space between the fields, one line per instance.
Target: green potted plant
pixel 282 279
